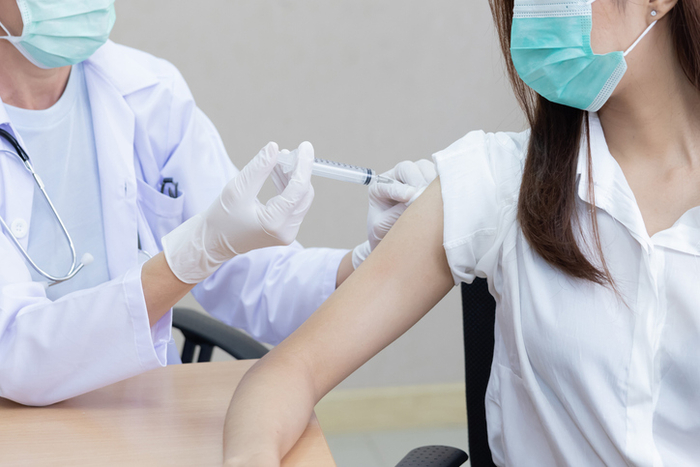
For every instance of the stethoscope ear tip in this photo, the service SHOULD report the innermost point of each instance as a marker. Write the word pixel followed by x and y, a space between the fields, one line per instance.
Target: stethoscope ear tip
pixel 86 259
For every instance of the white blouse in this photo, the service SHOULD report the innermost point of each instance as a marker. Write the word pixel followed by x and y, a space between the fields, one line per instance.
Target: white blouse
pixel 580 376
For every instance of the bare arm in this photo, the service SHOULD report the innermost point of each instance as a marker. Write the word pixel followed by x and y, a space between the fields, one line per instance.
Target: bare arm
pixel 161 289
pixel 404 278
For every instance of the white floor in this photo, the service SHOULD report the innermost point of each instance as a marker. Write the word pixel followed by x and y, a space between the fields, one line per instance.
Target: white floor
pixel 387 448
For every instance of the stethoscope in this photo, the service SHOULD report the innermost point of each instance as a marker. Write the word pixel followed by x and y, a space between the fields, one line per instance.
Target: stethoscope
pixel 75 266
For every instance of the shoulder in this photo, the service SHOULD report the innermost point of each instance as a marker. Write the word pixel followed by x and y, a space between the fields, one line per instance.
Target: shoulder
pixel 131 70
pixel 157 96
pixel 152 88
pixel 487 163
pixel 480 176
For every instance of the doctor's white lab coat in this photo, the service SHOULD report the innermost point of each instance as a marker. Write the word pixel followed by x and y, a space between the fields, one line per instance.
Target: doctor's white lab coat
pixel 147 127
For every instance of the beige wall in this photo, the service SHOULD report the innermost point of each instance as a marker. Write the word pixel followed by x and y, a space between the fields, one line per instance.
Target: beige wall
pixel 368 82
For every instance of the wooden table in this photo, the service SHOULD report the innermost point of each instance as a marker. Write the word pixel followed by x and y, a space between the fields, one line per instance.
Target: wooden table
pixel 171 416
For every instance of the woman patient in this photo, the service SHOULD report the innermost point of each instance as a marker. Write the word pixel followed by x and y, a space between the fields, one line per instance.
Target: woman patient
pixel 588 231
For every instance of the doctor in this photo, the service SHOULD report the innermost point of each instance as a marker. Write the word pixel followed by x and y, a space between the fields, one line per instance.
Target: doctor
pixel 135 170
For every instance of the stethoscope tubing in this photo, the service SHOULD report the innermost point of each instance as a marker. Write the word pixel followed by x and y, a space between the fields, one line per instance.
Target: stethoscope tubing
pixel 75 267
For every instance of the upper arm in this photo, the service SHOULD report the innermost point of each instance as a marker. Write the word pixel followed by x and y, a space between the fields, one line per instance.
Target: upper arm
pixel 400 281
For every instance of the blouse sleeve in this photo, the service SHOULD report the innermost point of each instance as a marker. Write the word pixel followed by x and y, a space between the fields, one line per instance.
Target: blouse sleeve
pixel 480 177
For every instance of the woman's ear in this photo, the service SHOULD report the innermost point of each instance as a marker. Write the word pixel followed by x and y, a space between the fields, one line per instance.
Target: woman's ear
pixel 657 9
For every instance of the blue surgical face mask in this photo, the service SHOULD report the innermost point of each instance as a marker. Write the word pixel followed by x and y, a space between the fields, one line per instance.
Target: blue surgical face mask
pixel 551 51
pixel 62 32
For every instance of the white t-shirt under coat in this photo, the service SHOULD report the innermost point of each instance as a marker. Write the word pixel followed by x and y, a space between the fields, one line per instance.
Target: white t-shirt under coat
pixel 61 145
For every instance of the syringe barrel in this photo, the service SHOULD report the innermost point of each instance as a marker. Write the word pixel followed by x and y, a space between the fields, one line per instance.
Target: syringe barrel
pixel 330 169
pixel 342 172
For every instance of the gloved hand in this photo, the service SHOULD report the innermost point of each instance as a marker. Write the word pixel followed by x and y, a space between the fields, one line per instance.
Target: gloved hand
pixel 387 201
pixel 237 222
pixel 281 176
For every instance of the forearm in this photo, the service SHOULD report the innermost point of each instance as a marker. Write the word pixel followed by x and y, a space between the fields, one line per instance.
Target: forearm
pixel 269 412
pixel 44 342
pixel 161 289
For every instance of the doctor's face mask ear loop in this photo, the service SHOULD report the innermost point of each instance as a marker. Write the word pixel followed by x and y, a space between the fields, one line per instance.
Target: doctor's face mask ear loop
pixel 61 33
pixel 551 51
pixel 86 259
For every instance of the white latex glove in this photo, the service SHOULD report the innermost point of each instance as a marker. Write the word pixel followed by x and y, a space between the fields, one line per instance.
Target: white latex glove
pixel 387 201
pixel 237 222
pixel 279 177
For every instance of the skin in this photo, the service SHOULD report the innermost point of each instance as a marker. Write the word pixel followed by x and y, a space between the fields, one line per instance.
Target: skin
pixel 651 125
pixel 406 275
pixel 651 120
pixel 27 86
pixel 21 83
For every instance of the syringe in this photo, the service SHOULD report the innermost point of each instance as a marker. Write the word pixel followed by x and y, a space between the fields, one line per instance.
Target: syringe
pixel 334 170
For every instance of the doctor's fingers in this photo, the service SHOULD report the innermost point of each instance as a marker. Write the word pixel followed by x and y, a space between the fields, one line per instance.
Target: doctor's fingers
pixel 279 177
pixel 300 180
pixel 417 174
pixel 411 175
pixel 305 156
pixel 428 169
pixel 249 181
pixel 389 194
pixel 281 217
pixel 296 197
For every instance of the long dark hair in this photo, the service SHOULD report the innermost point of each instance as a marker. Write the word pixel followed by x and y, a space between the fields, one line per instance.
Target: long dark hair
pixel 547 210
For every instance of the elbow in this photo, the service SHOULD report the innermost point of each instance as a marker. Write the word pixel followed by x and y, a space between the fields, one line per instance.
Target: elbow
pixel 29 399
pixel 32 392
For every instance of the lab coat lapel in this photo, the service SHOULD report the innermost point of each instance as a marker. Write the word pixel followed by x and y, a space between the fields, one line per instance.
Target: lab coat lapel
pixel 113 124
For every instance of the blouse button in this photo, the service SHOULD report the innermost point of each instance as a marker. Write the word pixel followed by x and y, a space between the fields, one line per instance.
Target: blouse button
pixel 19 228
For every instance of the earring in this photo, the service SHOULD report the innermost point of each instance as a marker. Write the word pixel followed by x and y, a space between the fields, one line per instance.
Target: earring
pixel 653 13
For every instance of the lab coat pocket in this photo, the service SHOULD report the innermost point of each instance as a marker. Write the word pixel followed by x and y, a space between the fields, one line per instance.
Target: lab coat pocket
pixel 162 212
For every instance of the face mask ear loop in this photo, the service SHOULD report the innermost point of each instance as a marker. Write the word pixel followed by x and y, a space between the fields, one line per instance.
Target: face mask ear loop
pixel 6 31
pixel 640 38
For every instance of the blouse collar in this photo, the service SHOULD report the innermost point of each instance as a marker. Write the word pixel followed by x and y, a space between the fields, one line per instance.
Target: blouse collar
pixel 614 195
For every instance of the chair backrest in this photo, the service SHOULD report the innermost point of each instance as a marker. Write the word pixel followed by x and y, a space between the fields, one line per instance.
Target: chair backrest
pixel 206 332
pixel 478 318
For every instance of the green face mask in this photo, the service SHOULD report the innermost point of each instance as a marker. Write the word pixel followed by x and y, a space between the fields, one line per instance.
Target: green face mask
pixel 62 32
pixel 551 51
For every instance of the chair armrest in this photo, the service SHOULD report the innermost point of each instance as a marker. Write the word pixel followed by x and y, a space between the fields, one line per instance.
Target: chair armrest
pixel 434 456
pixel 203 329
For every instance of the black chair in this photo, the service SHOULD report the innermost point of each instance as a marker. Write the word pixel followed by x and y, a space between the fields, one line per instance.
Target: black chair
pixel 478 319
pixel 203 331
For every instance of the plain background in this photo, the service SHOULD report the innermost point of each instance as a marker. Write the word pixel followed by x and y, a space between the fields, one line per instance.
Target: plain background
pixel 368 82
